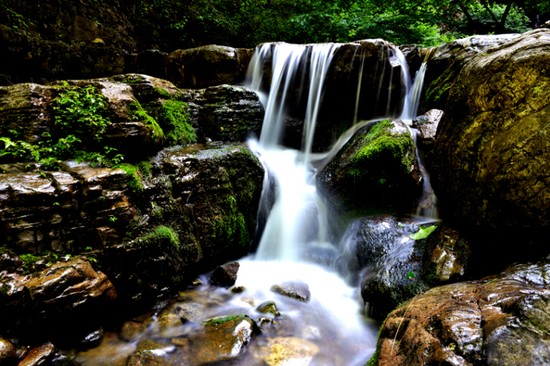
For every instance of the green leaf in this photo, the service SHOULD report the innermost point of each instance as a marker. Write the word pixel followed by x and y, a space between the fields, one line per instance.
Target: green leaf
pixel 423 232
pixel 7 142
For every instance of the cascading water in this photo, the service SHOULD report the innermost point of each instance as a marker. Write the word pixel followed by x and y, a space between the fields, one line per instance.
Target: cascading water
pixel 298 219
pixel 427 206
pixel 330 328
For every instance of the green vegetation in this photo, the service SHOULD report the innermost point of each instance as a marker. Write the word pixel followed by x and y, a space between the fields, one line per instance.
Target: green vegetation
pixel 223 319
pixel 232 225
pixel 134 175
pixel 246 23
pixel 29 262
pixel 80 124
pixel 161 235
pixel 380 141
pixel 140 115
pixel 423 232
pixel 174 115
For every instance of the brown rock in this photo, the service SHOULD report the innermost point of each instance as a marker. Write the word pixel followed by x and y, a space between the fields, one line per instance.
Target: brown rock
pixel 497 321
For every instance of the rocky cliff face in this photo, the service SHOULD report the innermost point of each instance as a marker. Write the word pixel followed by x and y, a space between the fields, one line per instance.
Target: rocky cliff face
pixel 173 209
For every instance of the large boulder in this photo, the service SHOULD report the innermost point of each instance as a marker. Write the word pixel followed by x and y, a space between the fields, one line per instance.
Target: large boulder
pixel 397 259
pixel 69 296
pixel 377 169
pixel 492 146
pixel 206 66
pixel 500 320
pixel 446 61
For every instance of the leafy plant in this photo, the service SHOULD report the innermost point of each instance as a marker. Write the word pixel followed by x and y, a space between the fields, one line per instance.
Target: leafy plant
pixel 80 124
pixel 423 232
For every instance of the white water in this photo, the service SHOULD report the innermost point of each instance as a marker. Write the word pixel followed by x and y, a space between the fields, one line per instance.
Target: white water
pixel 298 220
pixel 297 224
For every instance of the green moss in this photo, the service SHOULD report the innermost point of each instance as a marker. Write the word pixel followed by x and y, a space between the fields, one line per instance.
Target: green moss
pixel 223 319
pixel 134 176
pixel 29 261
pixel 379 141
pixel 232 225
pixel 161 92
pixel 139 114
pixel 145 168
pixel 439 88
pixel 174 115
pixel 161 234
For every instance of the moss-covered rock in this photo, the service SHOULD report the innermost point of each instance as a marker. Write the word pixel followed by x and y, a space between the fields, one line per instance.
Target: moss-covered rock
pixel 376 170
pixel 493 144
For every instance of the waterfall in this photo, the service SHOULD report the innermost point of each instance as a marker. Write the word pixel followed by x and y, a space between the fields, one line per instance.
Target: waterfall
pixel 297 216
pixel 427 205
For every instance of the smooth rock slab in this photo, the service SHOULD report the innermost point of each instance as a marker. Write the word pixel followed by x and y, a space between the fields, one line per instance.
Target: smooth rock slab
pixel 502 320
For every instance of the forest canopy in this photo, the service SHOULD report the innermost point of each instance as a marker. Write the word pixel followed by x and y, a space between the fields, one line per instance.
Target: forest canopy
pixel 246 23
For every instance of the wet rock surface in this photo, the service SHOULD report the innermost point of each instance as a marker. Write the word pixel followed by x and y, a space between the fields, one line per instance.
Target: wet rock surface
pixel 206 66
pixel 377 168
pixel 210 325
pixel 501 320
pixel 492 144
pixel 294 290
pixel 396 259
pixel 226 275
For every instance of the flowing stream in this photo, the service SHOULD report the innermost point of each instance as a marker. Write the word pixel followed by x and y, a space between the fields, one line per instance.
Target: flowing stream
pixel 296 243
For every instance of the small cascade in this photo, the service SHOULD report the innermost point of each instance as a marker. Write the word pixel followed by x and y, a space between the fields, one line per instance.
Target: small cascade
pixel 296 204
pixel 427 205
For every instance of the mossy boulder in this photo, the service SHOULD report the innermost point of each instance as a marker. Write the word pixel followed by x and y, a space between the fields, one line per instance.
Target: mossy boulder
pixel 377 169
pixel 493 146
pixel 446 61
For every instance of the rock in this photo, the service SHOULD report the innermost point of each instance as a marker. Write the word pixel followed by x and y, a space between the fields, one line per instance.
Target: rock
pixel 150 353
pixel 7 352
pixel 268 307
pixel 225 276
pixel 286 351
pixel 24 108
pixel 230 113
pixel 38 355
pixel 447 60
pixel 293 289
pixel 499 320
pixel 426 125
pixel 223 339
pixel 492 144
pixel 389 261
pixel 206 66
pixel 376 169
pixel 67 286
pixel 397 259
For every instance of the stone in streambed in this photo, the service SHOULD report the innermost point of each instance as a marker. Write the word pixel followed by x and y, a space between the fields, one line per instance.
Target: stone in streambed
pixel 293 289
pixel 225 276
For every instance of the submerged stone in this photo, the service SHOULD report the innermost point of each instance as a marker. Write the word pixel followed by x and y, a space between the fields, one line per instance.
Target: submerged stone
pixel 293 289
pixel 223 339
pixel 225 275
pixel 282 351
pixel 268 307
